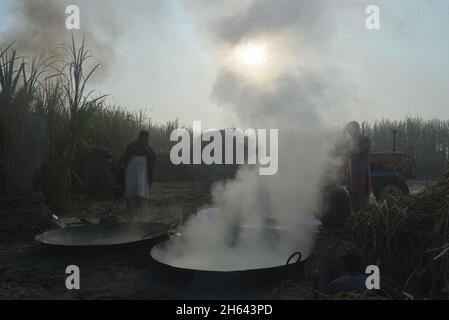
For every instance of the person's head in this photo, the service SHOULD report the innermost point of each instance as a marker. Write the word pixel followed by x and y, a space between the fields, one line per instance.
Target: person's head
pixel 144 136
pixel 353 261
pixel 353 128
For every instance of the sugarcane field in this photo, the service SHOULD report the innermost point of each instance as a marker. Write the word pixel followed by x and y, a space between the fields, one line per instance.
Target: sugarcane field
pixel 200 151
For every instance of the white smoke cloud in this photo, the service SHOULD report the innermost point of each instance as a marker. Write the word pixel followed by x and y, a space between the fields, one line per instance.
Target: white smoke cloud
pixel 275 213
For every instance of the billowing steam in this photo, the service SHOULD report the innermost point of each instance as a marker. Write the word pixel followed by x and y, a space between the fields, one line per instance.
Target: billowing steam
pixel 262 220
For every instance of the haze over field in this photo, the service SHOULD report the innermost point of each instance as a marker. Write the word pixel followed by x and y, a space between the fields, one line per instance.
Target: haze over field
pixel 296 66
pixel 169 56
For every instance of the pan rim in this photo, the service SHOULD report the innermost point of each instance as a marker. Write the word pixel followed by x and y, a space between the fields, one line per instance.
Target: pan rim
pixel 40 238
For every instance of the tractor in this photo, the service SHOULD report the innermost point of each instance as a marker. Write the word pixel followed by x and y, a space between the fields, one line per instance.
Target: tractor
pixel 390 170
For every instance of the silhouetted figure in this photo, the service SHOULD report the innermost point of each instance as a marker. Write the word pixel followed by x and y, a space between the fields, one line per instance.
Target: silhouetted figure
pixel 358 177
pixel 355 280
pixel 335 206
pixel 137 165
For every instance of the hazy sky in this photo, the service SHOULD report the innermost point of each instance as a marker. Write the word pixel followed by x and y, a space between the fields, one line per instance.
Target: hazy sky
pixel 168 54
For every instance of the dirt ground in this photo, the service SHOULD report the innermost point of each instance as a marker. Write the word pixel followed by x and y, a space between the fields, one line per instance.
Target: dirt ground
pixel 29 270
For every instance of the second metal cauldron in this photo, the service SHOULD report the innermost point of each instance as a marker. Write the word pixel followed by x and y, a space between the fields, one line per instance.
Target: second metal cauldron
pixel 104 236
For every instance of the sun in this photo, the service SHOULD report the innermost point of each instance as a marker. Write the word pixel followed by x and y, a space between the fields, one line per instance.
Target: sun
pixel 258 61
pixel 251 60
pixel 253 54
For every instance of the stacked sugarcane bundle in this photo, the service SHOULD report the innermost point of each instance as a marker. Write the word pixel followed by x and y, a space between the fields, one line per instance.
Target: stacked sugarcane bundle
pixel 408 239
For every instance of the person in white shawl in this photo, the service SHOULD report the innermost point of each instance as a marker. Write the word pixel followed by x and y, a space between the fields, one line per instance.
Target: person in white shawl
pixel 137 164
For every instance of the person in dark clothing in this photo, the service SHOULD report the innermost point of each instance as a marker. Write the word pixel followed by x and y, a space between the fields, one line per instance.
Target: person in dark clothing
pixel 358 177
pixel 355 280
pixel 136 167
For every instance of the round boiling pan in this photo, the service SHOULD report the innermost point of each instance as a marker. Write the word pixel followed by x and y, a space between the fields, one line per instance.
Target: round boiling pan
pixel 292 269
pixel 102 236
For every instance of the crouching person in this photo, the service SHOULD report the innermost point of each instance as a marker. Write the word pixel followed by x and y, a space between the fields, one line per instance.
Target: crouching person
pixel 355 280
pixel 138 163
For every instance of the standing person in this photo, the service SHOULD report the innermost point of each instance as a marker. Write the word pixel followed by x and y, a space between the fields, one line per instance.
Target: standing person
pixel 137 163
pixel 358 177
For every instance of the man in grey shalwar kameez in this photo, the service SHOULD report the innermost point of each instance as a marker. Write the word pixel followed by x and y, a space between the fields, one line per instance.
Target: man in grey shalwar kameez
pixel 358 178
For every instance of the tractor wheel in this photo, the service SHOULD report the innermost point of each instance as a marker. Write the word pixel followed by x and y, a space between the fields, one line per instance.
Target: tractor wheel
pixel 392 190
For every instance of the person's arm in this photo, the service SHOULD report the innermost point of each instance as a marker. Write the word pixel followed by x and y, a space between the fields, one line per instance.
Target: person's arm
pixel 391 291
pixel 121 165
pixel 151 162
pixel 124 158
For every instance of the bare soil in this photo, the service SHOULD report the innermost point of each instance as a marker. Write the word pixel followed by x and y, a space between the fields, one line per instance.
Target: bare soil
pixel 29 270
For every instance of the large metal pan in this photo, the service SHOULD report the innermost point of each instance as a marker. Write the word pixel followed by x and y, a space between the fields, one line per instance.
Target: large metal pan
pixel 103 236
pixel 292 269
